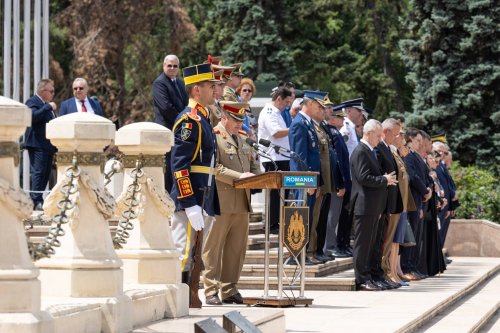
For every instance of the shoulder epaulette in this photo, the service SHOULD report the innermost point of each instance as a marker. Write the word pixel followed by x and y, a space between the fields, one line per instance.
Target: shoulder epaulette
pixel 194 114
pixel 216 131
pixel 242 132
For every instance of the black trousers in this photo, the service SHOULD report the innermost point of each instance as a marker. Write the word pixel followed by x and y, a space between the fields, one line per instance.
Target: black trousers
pixel 274 195
pixel 169 177
pixel 410 255
pixel 376 264
pixel 345 223
pixel 40 167
pixel 322 222
pixel 365 227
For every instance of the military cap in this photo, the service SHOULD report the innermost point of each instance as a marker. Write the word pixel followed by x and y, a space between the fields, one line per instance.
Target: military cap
pixel 218 76
pixel 198 73
pixel 235 109
pixel 319 96
pixel 237 69
pixel 214 60
pixel 227 70
pixel 352 103
pixel 439 138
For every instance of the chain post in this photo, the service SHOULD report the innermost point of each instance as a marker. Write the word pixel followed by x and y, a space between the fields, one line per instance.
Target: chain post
pixel 46 249
pixel 124 224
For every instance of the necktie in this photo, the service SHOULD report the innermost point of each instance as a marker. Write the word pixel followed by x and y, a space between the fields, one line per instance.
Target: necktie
pixel 374 153
pixel 174 82
pixel 235 138
pixel 84 109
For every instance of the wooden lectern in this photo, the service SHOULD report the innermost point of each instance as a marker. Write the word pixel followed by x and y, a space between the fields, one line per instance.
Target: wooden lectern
pixel 280 180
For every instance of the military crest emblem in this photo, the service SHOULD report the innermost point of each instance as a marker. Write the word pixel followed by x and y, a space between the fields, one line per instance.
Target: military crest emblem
pixel 185 134
pixel 295 229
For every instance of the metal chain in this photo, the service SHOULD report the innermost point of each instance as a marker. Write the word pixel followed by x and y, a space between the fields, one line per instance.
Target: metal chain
pixel 46 249
pixel 124 224
pixel 116 167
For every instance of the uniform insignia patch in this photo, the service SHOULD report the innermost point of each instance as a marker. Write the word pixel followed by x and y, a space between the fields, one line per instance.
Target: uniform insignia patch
pixel 216 131
pixel 185 134
pixel 187 125
pixel 194 115
pixel 185 188
pixel 181 173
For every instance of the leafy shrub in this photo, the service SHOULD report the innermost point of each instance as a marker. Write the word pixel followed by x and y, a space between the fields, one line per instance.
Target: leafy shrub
pixel 478 192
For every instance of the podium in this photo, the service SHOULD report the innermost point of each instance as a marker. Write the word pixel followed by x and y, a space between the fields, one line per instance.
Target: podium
pixel 297 230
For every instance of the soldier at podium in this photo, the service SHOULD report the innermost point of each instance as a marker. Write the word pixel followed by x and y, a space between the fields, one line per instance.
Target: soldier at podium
pixel 193 163
pixel 226 242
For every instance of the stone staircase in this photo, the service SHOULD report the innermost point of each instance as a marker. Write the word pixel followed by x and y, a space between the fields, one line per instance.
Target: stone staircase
pixel 469 306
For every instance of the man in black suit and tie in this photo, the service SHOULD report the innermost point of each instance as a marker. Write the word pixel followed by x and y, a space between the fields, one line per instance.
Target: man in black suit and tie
pixel 40 150
pixel 394 203
pixel 81 102
pixel 169 99
pixel 368 201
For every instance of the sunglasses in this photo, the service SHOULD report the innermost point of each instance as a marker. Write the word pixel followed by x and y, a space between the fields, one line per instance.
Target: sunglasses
pixel 172 66
pixel 247 90
pixel 78 88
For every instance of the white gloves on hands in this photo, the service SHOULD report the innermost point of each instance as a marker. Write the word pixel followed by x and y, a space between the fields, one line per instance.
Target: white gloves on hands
pixel 195 217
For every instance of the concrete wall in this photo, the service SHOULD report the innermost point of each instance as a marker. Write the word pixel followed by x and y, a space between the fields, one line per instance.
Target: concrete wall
pixel 473 238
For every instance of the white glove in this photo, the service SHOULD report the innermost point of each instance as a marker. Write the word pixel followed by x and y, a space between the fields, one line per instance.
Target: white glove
pixel 195 217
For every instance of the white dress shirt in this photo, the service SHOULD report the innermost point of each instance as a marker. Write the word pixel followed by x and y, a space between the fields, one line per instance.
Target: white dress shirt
pixel 87 105
pixel 270 122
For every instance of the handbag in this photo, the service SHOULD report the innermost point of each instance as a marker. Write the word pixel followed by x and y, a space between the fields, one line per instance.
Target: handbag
pixel 409 239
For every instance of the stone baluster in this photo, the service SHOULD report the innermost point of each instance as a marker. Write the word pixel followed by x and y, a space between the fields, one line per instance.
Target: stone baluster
pixel 149 256
pixel 85 265
pixel 19 286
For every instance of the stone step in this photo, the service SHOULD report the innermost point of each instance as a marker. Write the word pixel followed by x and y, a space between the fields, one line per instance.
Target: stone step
pixel 256 228
pixel 328 268
pixel 256 242
pixel 471 313
pixel 312 283
pixel 256 217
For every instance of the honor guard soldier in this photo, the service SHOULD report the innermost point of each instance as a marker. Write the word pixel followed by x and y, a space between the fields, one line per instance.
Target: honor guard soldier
pixel 226 242
pixel 354 117
pixel 233 83
pixel 193 163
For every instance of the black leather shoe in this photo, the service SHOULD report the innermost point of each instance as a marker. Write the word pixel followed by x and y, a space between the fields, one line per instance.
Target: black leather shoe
pixel 38 206
pixel 448 261
pixel 213 300
pixel 291 261
pixel 274 230
pixel 312 261
pixel 323 258
pixel 235 299
pixel 368 286
pixel 340 253
pixel 379 284
pixel 393 285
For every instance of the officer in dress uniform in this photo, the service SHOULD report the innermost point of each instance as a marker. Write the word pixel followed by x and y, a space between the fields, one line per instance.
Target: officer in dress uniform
pixel 222 75
pixel 226 242
pixel 304 142
pixel 194 154
pixel 354 117
pixel 233 83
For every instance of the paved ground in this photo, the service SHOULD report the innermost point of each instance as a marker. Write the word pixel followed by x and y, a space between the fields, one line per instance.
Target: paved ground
pixel 347 311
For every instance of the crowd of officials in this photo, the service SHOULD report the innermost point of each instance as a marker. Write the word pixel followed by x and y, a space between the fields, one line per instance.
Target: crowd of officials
pixel 385 196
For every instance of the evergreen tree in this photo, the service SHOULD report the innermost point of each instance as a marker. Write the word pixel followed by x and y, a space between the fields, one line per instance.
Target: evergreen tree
pixel 453 61
pixel 246 31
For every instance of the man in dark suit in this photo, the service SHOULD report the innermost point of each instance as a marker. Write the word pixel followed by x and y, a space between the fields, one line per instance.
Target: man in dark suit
pixel 394 203
pixel 169 99
pixel 421 192
pixel 40 150
pixel 81 102
pixel 368 201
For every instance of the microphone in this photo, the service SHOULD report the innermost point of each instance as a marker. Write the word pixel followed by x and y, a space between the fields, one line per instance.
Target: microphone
pixel 293 155
pixel 252 143
pixel 277 148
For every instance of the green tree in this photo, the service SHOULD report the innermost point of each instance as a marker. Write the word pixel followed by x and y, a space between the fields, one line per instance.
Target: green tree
pixel 247 32
pixel 453 61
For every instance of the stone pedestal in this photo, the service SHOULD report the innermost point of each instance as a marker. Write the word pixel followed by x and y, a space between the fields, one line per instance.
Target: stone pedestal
pixel 149 255
pixel 19 286
pixel 85 265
